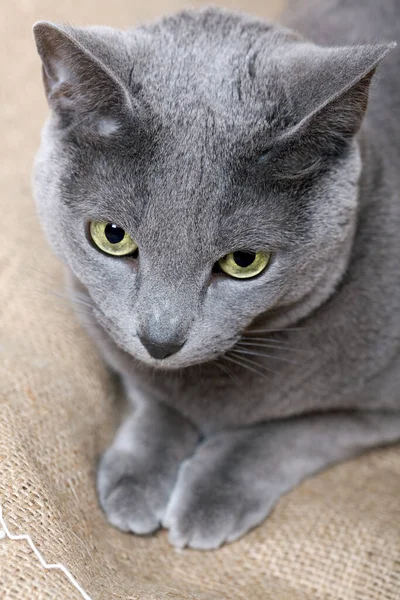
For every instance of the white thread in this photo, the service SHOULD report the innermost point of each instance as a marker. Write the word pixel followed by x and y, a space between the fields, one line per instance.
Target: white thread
pixel 5 532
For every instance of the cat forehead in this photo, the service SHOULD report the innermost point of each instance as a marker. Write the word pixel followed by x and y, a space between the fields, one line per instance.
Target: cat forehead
pixel 214 28
pixel 208 59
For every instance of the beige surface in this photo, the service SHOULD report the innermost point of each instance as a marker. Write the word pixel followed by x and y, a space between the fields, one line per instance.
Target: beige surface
pixel 337 537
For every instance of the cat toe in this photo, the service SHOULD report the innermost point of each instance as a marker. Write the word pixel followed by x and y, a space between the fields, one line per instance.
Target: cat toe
pixel 127 508
pixel 197 523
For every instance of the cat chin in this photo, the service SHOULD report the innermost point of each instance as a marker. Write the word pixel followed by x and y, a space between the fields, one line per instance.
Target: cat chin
pixel 167 364
pixel 173 363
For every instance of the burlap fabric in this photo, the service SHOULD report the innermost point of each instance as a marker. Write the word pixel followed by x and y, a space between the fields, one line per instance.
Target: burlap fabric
pixel 336 537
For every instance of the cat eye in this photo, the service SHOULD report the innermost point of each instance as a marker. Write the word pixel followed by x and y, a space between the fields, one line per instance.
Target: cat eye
pixel 112 239
pixel 244 264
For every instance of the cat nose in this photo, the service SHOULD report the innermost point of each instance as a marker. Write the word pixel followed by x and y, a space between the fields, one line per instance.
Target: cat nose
pixel 160 348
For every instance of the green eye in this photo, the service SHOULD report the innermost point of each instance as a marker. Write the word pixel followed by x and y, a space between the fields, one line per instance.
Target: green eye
pixel 244 263
pixel 112 239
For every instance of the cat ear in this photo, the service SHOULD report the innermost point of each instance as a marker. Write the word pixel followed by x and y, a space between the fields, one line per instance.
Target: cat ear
pixel 331 85
pixel 77 84
pixel 328 90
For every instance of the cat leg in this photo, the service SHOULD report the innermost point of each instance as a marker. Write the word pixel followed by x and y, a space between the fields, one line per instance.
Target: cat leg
pixel 235 477
pixel 137 473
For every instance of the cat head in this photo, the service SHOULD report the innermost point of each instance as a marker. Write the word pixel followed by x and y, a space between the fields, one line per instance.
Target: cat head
pixel 200 173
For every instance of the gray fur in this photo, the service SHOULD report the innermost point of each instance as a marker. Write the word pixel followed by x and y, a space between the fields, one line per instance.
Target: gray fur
pixel 203 133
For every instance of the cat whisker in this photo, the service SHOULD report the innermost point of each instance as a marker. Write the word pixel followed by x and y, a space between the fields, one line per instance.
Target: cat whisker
pixel 271 346
pixel 260 338
pixel 66 301
pixel 76 306
pixel 228 372
pixel 266 330
pixel 70 299
pixel 74 310
pixel 264 355
pixel 249 360
pixel 244 366
pixel 44 274
pixel 74 298
pixel 245 363
pixel 266 341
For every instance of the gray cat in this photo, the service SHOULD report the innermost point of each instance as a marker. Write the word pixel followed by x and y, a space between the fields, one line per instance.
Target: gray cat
pixel 230 222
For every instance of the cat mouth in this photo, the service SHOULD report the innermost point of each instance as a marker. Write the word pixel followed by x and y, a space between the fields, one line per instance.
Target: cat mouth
pixel 137 351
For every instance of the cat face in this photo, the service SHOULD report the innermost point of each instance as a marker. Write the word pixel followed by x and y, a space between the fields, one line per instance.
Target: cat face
pixel 220 151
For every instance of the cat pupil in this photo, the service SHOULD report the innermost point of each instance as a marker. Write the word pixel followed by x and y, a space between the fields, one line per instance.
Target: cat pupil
pixel 113 233
pixel 244 259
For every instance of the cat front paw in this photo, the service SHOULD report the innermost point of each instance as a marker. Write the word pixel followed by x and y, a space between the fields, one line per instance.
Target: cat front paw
pixel 132 500
pixel 209 508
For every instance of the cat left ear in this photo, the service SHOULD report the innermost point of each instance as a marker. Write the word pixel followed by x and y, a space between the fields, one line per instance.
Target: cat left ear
pixel 77 84
pixel 330 86
pixel 328 91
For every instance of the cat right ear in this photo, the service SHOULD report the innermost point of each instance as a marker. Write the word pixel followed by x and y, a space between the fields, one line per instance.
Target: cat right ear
pixel 77 84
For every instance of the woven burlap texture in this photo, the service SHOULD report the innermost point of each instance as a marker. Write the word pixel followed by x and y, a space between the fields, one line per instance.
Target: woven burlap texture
pixel 336 537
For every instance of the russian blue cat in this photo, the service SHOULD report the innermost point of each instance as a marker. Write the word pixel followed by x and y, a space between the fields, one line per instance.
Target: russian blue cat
pixel 228 211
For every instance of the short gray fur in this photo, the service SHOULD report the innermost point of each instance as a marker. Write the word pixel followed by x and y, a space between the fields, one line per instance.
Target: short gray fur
pixel 203 133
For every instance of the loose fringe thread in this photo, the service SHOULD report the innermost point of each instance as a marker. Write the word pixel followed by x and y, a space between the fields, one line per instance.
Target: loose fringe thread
pixel 5 532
